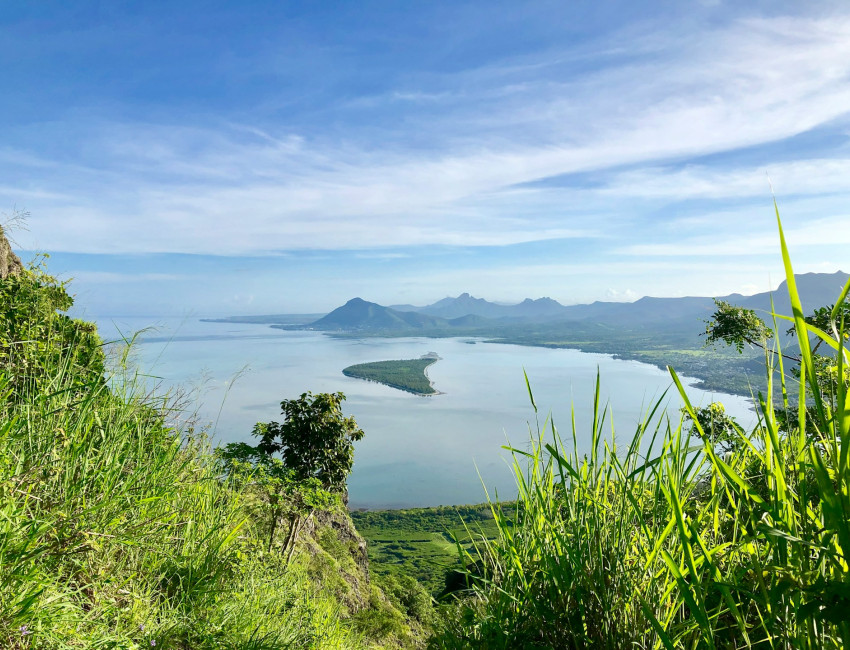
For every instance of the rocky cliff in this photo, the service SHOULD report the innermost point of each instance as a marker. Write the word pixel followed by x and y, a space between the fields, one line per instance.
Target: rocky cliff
pixel 10 264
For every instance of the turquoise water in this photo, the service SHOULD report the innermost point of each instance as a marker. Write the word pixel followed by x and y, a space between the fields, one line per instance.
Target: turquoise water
pixel 418 451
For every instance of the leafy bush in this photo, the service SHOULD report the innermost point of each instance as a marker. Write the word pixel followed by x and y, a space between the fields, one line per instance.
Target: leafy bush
pixel 39 345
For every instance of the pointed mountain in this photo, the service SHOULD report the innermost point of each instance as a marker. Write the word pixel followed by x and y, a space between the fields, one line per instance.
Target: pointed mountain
pixel 359 314
pixel 467 305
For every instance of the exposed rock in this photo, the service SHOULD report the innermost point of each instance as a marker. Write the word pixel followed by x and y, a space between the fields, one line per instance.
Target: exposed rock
pixel 10 264
pixel 332 537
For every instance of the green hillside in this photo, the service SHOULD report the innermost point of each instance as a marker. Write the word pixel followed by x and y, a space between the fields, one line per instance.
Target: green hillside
pixel 121 528
pixel 359 314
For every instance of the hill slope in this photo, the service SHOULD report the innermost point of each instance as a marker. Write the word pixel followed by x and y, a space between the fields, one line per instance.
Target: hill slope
pixel 359 314
pixel 817 289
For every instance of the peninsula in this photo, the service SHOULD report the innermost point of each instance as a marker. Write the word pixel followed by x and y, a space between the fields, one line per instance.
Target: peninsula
pixel 410 375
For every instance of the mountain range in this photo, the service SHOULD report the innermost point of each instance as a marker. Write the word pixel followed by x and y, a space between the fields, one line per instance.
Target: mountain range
pixel 466 311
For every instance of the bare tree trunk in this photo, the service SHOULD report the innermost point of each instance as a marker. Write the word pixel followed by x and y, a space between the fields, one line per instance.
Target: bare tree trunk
pixel 275 517
pixel 291 535
pixel 299 524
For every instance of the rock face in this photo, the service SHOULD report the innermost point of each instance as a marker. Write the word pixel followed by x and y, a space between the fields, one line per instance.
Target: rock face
pixel 10 264
pixel 338 555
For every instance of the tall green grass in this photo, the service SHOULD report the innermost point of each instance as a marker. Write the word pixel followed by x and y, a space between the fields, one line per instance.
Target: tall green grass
pixel 118 527
pixel 117 531
pixel 667 544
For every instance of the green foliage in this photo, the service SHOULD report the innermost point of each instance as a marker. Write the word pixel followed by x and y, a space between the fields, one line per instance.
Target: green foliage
pixel 118 530
pixel 315 440
pixel 379 620
pixel 722 430
pixel 410 597
pixel 279 495
pixel 406 374
pixel 668 545
pixel 35 338
pixel 827 319
pixel 736 326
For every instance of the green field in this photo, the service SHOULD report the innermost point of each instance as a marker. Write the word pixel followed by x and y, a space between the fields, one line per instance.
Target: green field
pixel 405 374
pixel 420 542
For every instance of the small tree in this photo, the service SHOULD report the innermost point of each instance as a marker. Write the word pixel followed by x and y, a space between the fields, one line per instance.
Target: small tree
pixel 279 496
pixel 738 326
pixel 315 439
pixel 722 430
pixel 316 445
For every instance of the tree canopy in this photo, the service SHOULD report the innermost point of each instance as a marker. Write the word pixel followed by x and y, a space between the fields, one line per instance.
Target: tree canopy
pixel 315 440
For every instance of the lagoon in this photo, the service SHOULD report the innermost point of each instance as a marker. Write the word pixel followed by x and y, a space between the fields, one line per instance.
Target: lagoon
pixel 418 451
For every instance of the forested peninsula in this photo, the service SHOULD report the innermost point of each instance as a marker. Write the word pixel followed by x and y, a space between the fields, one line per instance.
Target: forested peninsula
pixel 409 375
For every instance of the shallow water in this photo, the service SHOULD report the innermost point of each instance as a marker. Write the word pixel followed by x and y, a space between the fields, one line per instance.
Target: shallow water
pixel 418 451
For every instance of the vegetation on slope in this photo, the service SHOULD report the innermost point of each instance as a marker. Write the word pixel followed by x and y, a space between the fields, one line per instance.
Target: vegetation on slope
pixel 672 541
pixel 421 543
pixel 405 374
pixel 120 528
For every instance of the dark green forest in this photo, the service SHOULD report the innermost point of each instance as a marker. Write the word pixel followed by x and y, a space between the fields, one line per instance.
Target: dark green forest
pixel 405 374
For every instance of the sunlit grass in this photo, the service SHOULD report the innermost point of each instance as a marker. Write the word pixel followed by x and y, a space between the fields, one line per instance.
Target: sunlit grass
pixel 680 546
pixel 117 531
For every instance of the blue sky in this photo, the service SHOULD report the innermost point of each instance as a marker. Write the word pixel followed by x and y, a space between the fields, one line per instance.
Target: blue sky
pixel 265 157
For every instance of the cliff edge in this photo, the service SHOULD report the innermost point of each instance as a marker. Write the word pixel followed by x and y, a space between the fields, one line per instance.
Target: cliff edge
pixel 10 264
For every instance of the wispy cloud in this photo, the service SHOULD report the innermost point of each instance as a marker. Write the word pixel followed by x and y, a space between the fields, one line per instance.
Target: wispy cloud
pixel 110 277
pixel 449 166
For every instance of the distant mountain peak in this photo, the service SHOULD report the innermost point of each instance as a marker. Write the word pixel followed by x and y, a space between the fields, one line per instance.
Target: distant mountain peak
pixel 359 314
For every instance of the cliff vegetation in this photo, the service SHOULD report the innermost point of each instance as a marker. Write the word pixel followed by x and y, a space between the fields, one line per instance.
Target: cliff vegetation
pixel 120 527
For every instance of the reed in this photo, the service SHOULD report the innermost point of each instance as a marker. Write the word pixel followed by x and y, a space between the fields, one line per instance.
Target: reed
pixel 667 543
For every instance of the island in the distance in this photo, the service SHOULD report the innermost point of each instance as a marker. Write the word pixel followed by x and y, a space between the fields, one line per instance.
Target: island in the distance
pixel 407 374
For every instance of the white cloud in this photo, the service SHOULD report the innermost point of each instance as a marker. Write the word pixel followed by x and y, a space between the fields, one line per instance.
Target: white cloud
pixel 741 241
pixel 244 190
pixel 811 176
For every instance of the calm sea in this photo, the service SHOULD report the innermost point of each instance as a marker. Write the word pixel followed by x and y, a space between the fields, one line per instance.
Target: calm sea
pixel 418 451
